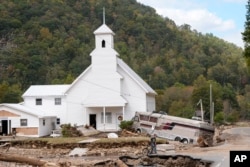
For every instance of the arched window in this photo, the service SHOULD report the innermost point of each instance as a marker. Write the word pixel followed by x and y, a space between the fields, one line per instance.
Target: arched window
pixel 103 44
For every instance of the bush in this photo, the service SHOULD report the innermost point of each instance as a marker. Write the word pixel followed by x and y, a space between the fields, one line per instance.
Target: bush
pixel 232 117
pixel 70 131
pixel 127 125
pixel 219 118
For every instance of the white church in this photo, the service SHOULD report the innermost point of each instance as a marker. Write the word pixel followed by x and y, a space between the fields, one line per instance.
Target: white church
pixel 106 93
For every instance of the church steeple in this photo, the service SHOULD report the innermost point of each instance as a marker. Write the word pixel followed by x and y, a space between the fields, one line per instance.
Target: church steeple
pixel 104 56
pixel 104 36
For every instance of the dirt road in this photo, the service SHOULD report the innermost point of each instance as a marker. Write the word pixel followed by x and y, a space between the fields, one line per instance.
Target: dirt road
pixel 235 139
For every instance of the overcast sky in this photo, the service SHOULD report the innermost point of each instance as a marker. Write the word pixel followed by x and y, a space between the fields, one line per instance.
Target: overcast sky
pixel 223 18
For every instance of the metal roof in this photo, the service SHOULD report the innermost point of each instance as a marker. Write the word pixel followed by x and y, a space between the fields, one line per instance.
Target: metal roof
pixel 104 29
pixel 27 110
pixel 46 90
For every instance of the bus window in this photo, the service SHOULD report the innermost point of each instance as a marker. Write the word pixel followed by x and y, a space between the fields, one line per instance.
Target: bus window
pixel 144 117
pixel 153 119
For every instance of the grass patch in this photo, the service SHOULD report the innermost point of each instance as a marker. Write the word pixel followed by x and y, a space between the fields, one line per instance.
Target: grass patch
pixel 72 140
pixel 58 140
pixel 129 140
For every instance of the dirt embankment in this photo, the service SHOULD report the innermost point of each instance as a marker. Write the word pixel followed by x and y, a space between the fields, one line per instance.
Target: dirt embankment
pixel 115 157
pixel 98 154
pixel 121 154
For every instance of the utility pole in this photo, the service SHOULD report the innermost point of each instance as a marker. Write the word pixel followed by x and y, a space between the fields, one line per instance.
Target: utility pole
pixel 202 112
pixel 211 106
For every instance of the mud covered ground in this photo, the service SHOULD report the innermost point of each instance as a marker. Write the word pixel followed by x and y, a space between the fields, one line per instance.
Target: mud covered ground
pixel 128 153
pixel 58 159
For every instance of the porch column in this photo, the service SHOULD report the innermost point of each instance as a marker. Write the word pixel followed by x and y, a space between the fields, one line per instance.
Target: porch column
pixel 85 110
pixel 123 112
pixel 104 118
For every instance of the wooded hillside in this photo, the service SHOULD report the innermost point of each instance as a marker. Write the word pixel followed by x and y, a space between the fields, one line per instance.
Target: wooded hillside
pixel 49 42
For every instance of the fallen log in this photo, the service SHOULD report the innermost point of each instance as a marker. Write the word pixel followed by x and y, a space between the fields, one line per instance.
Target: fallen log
pixel 20 159
pixel 126 132
pixel 105 163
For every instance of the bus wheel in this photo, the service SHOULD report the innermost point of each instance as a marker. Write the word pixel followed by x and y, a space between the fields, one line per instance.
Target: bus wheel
pixel 185 141
pixel 177 139
pixel 138 131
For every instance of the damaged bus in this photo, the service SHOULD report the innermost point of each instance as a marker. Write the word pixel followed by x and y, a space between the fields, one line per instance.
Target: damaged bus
pixel 174 128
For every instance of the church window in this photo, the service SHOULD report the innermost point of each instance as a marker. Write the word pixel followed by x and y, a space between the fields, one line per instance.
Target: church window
pixel 103 44
pixel 108 117
pixel 58 101
pixel 23 122
pixel 39 101
pixel 58 121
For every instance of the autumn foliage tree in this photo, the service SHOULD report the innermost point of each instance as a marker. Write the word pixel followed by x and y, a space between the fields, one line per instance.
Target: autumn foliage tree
pixel 246 34
pixel 49 42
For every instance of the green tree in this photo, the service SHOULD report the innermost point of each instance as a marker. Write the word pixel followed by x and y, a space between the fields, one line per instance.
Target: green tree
pixel 244 103
pixel 10 93
pixel 46 42
pixel 246 33
pixel 181 108
pixel 230 95
pixel 202 91
pixel 176 100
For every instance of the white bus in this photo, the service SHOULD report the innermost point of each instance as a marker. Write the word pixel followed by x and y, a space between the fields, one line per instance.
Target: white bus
pixel 174 128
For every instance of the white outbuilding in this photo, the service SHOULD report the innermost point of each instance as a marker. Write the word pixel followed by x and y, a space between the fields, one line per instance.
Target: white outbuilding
pixel 106 93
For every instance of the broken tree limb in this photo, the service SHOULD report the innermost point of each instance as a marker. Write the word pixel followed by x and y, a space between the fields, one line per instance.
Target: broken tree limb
pixel 20 159
pixel 5 145
pixel 121 164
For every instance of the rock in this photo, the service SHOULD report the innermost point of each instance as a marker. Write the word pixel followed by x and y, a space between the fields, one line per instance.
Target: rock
pixel 88 131
pixel 49 164
pixel 165 149
pixel 112 135
pixel 78 152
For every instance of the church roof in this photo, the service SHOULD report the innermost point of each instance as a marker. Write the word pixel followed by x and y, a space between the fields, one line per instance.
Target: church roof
pixel 46 90
pixel 27 110
pixel 104 29
pixel 135 76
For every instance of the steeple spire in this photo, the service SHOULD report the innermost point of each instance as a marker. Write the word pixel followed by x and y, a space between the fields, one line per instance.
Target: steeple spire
pixel 104 35
pixel 103 15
